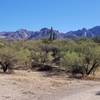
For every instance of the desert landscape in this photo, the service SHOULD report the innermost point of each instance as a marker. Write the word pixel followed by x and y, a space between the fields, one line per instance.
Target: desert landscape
pixel 50 69
pixel 49 49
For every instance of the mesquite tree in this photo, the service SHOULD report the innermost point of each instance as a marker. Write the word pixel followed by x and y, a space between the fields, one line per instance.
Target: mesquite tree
pixel 7 62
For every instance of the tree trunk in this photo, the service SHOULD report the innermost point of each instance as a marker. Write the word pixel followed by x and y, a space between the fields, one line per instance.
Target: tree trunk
pixel 91 69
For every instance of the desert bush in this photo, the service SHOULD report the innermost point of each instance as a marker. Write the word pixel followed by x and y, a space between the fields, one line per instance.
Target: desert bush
pixel 45 55
pixel 72 55
pixel 83 54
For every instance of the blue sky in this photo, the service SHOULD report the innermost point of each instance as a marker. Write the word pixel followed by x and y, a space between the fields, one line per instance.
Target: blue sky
pixel 63 15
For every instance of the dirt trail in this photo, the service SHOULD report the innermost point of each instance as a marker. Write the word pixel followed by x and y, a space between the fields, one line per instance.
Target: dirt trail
pixel 90 91
pixel 23 85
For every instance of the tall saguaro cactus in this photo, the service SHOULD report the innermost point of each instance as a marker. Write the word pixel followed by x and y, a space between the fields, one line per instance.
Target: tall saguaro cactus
pixel 52 35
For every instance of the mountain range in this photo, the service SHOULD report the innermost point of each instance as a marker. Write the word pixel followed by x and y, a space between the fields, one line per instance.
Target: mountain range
pixel 23 34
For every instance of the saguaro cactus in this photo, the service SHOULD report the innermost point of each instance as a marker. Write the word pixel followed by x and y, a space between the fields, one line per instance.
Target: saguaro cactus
pixel 52 34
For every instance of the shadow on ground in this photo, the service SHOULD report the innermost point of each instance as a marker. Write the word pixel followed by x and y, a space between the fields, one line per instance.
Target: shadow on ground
pixel 98 93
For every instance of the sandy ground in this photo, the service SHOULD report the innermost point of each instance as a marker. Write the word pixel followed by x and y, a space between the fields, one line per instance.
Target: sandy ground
pixel 24 85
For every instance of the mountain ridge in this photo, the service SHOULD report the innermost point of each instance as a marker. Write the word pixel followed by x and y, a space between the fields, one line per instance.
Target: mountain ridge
pixel 44 33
